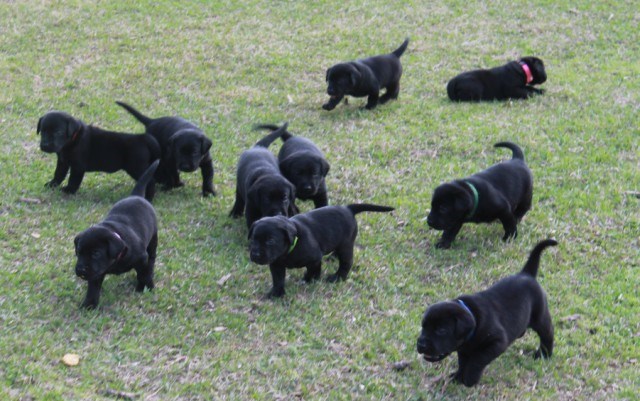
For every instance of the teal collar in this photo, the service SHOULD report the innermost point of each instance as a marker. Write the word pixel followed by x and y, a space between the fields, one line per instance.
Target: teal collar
pixel 295 241
pixel 475 200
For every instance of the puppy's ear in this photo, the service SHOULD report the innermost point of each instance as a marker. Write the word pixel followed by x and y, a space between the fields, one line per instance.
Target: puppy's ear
pixel 326 79
pixel 355 77
pixel 465 324
pixel 205 145
pixel 73 126
pixel 325 167
pixel 116 248
pixel 75 244
pixel 251 231
pixel 170 144
pixel 285 164
pixel 289 228
pixel 39 128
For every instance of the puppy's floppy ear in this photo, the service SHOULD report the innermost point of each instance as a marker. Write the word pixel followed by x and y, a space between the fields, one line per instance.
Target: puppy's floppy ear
pixel 285 164
pixel 327 75
pixel 288 227
pixel 116 248
pixel 251 230
pixel 39 128
pixel 170 144
pixel 73 126
pixel 205 145
pixel 75 244
pixel 465 324
pixel 355 76
pixel 325 167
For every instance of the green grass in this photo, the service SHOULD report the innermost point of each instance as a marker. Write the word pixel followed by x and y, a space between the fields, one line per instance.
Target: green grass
pixel 228 65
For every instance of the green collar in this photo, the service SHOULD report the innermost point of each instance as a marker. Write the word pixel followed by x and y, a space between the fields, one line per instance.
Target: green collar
pixel 475 200
pixel 295 241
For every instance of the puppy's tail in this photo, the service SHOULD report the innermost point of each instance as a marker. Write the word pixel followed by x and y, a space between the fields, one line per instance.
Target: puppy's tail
pixel 139 116
pixel 268 140
pixel 517 152
pixel 145 179
pixel 400 50
pixel 531 267
pixel 356 208
pixel 285 135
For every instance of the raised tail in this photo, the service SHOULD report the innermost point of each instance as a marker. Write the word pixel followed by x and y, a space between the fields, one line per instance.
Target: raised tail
pixel 400 50
pixel 139 116
pixel 531 267
pixel 356 208
pixel 146 177
pixel 285 135
pixel 517 152
pixel 268 140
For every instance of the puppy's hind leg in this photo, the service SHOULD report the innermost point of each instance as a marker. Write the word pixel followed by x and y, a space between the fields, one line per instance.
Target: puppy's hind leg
pixel 510 225
pixel 372 100
pixel 345 259
pixel 238 206
pixel 392 93
pixel 145 270
pixel 544 328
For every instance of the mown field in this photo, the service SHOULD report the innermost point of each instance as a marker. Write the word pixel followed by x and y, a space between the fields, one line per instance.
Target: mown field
pixel 206 332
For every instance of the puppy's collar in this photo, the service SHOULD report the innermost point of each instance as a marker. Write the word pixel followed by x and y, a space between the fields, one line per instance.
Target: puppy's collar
pixel 461 303
pixel 527 71
pixel 121 254
pixel 476 200
pixel 293 245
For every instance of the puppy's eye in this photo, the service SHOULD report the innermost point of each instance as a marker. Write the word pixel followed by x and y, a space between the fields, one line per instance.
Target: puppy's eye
pixel 96 254
pixel 444 209
pixel 271 241
pixel 441 331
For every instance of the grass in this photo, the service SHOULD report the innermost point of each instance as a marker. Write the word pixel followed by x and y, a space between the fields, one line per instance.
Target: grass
pixel 228 65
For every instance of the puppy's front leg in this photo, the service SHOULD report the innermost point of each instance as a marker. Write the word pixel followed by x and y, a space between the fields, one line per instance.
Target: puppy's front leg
pixel 75 179
pixel 62 168
pixel 313 272
pixel 278 274
pixel 332 103
pixel 93 293
pixel 472 365
pixel 206 168
pixel 448 236
pixel 320 199
pixel 533 90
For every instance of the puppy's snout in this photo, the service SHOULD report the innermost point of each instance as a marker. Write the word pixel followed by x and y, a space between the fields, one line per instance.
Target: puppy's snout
pixel 421 345
pixel 81 271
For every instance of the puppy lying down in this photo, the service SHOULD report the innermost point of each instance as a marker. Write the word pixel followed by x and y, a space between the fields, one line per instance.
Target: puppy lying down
pixel 501 192
pixel 302 241
pixel 366 77
pixel 126 239
pixel 481 326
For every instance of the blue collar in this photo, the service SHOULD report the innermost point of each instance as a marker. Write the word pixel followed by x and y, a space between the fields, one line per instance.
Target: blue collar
pixel 461 303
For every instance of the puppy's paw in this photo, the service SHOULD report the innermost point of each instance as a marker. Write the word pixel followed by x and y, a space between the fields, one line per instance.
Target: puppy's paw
pixel 68 190
pixel 328 106
pixel 510 235
pixel 51 184
pixel 334 278
pixel 275 293
pixel 443 244
pixel 541 353
pixel 208 192
pixel 89 304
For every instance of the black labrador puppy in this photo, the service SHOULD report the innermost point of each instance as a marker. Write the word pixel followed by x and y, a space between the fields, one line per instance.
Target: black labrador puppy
pixel 84 148
pixel 302 241
pixel 481 326
pixel 503 191
pixel 126 239
pixel 513 80
pixel 304 165
pixel 184 148
pixel 261 190
pixel 365 77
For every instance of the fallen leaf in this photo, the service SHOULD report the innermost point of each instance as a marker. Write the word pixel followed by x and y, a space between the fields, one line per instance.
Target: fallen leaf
pixel 224 279
pixel 35 235
pixel 71 359
pixel 30 200
pixel 219 329
pixel 571 318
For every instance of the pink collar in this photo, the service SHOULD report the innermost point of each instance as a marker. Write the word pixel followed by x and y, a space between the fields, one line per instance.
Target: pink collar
pixel 527 71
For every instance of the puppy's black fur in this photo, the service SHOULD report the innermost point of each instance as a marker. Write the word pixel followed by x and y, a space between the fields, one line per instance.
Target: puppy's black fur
pixel 84 148
pixel 302 241
pixel 261 190
pixel 504 192
pixel 304 165
pixel 126 239
pixel 184 148
pixel 506 82
pixel 365 77
pixel 481 326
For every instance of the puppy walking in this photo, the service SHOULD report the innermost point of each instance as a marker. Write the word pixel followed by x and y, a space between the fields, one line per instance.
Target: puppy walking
pixel 261 190
pixel 501 192
pixel 480 327
pixel 126 239
pixel 366 77
pixel 302 241
pixel 83 148
pixel 304 165
pixel 184 148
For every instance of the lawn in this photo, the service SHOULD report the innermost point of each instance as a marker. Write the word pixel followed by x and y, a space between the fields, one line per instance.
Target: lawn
pixel 206 332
